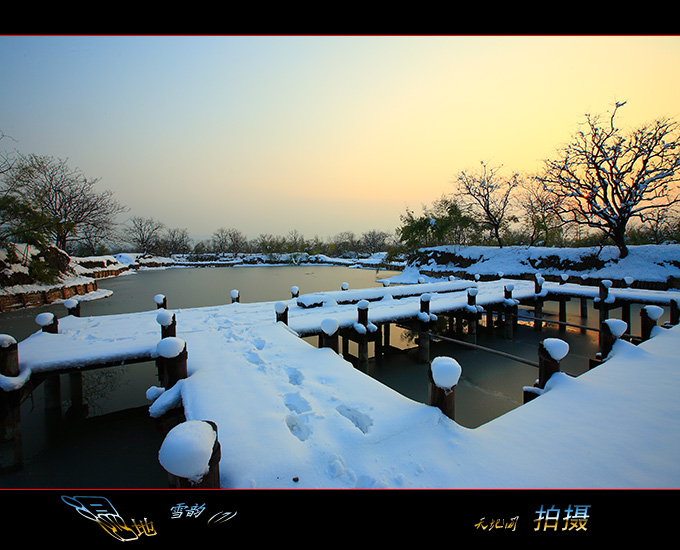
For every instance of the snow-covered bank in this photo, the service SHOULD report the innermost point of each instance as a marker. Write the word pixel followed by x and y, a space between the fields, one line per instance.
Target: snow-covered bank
pixel 649 263
pixel 291 416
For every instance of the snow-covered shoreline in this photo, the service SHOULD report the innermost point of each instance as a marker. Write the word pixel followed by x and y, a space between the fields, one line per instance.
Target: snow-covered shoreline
pixel 645 263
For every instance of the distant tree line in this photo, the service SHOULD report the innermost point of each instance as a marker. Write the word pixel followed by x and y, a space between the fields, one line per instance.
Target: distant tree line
pixel 151 236
pixel 604 186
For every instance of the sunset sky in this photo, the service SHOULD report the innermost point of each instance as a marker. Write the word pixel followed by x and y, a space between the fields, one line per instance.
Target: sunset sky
pixel 314 134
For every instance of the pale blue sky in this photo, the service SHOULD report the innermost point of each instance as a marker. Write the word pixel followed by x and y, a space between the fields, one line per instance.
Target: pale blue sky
pixel 317 134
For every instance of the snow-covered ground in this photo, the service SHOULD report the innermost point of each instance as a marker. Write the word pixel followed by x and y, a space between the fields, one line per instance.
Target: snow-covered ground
pixel 643 263
pixel 290 415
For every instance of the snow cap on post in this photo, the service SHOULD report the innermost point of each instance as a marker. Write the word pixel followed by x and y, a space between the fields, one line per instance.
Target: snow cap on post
pixel 617 327
pixel 329 326
pixel 556 348
pixel 164 318
pixel 6 341
pixel 48 322
pixel 445 372
pixel 187 449
pixel 654 312
pixel 170 347
pixel 45 319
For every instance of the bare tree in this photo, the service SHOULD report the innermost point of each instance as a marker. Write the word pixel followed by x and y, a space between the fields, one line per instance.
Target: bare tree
pixel 176 241
pixel 143 233
pixel 603 179
pixel 488 194
pixel 374 241
pixel 542 224
pixel 64 195
pixel 229 240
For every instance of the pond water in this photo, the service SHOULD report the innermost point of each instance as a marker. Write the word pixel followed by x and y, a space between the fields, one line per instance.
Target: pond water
pixel 78 453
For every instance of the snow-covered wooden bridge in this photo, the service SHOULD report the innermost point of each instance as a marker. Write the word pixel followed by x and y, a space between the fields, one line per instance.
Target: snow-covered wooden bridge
pixel 265 334
pixel 87 342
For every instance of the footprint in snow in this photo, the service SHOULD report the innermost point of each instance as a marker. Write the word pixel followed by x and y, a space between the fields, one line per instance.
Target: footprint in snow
pixel 296 403
pixel 294 376
pixel 298 426
pixel 361 420
pixel 254 358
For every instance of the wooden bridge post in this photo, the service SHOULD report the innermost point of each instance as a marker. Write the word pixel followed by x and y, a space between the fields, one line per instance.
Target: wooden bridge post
pixel 443 376
pixel 603 303
pixel 509 312
pixel 538 303
pixel 423 337
pixel 161 301
pixel 235 297
pixel 168 324
pixel 489 320
pixel 11 446
pixel 294 292
pixel 611 330
pixel 362 338
pixel 181 450
pixel 625 313
pixel 329 334
pixel 550 352
pixel 562 315
pixel 52 389
pixel 281 312
pixel 72 307
pixel 675 312
pixel 648 318
pixel 173 356
pixel 48 322
pixel 473 315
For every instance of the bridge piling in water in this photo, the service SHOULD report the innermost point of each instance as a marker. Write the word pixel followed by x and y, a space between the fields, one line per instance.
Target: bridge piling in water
pixel 11 446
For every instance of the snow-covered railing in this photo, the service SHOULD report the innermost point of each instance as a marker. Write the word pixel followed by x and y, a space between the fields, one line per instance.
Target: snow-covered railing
pixel 348 296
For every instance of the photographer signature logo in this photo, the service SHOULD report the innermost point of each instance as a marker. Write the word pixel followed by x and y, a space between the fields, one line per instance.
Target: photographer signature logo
pixel 101 511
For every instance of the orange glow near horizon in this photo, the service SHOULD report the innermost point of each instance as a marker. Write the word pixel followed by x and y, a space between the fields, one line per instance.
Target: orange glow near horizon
pixel 317 134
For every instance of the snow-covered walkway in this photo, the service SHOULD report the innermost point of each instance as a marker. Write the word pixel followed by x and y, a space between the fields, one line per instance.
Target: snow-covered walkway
pixel 290 415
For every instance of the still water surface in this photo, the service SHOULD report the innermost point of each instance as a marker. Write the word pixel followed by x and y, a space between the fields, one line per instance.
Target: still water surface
pixel 117 423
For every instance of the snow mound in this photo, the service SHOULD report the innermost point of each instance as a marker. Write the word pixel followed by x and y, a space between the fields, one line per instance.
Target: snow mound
pixel 187 449
pixel 654 312
pixel 617 327
pixel 45 319
pixel 445 372
pixel 557 348
pixel 170 347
